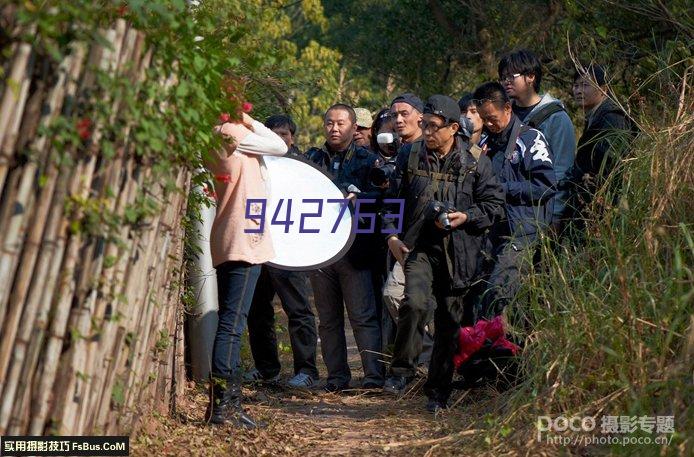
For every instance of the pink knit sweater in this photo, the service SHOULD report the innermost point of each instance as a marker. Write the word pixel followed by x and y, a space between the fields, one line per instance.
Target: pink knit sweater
pixel 239 177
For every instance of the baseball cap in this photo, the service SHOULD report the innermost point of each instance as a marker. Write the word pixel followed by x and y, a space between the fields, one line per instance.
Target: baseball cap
pixel 444 106
pixel 363 117
pixel 411 99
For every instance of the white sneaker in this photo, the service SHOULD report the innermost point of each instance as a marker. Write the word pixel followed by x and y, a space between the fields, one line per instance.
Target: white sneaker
pixel 301 381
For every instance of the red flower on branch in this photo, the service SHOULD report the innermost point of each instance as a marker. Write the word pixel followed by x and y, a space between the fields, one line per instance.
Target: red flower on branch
pixel 247 107
pixel 224 117
pixel 209 193
pixel 226 179
pixel 84 128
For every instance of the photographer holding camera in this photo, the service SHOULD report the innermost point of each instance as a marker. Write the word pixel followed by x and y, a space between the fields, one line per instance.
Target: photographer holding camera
pixel 451 197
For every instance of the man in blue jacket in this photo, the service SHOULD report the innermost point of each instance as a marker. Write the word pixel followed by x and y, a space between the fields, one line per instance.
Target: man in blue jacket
pixel 523 162
pixel 520 73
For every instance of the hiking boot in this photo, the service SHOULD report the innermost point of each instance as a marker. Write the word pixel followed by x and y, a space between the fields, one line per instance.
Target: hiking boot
pixel 301 381
pixel 225 404
pixel 332 388
pixel 255 377
pixel 396 385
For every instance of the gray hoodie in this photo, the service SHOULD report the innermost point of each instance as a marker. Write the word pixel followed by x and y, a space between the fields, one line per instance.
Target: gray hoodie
pixel 561 136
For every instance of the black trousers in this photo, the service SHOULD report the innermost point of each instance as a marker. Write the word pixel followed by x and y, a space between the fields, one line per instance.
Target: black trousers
pixel 337 287
pixel 293 290
pixel 426 275
pixel 440 376
pixel 379 273
pixel 512 261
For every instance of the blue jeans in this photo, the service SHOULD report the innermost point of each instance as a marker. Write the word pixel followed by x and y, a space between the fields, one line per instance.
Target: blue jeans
pixel 235 285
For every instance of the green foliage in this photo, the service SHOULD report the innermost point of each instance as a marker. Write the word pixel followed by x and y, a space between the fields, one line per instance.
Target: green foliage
pixel 118 393
pixel 197 51
pixel 450 46
pixel 162 343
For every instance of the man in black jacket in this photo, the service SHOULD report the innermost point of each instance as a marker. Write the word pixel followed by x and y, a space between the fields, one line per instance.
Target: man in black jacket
pixel 606 136
pixel 451 198
pixel 347 283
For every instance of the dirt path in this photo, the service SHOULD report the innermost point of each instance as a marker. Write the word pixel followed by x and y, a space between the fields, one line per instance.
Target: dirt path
pixel 305 423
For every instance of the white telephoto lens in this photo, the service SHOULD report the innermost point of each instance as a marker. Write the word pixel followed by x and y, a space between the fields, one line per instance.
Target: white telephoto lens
pixel 385 138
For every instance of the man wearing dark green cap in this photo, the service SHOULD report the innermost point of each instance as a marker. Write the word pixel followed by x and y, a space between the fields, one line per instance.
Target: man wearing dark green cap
pixel 451 197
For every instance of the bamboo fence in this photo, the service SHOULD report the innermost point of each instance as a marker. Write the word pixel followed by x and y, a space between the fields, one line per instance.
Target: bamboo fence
pixel 90 329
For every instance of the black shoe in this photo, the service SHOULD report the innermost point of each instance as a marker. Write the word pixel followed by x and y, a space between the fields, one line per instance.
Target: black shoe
pixel 372 385
pixel 436 406
pixel 396 385
pixel 332 388
pixel 225 404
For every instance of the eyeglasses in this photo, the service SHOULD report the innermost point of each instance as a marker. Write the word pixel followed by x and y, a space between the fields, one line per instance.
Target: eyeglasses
pixel 509 79
pixel 431 127
pixel 477 102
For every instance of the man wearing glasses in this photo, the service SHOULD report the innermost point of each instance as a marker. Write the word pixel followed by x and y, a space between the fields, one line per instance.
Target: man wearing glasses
pixel 520 73
pixel 451 198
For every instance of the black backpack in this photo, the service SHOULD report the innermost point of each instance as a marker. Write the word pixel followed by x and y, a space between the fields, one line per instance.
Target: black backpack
pixel 541 115
pixel 491 366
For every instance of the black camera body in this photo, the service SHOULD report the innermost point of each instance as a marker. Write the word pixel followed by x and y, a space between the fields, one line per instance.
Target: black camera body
pixel 383 172
pixel 438 211
pixel 380 175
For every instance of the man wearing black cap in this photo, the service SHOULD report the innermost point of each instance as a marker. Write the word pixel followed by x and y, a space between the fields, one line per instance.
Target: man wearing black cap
pixel 451 197
pixel 406 111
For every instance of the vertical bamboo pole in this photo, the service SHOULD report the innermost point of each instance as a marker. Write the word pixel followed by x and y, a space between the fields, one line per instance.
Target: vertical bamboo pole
pixel 56 334
pixel 75 375
pixel 31 334
pixel 11 102
pixel 67 286
pixel 31 243
pixel 96 315
pixel 34 319
pixel 121 351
